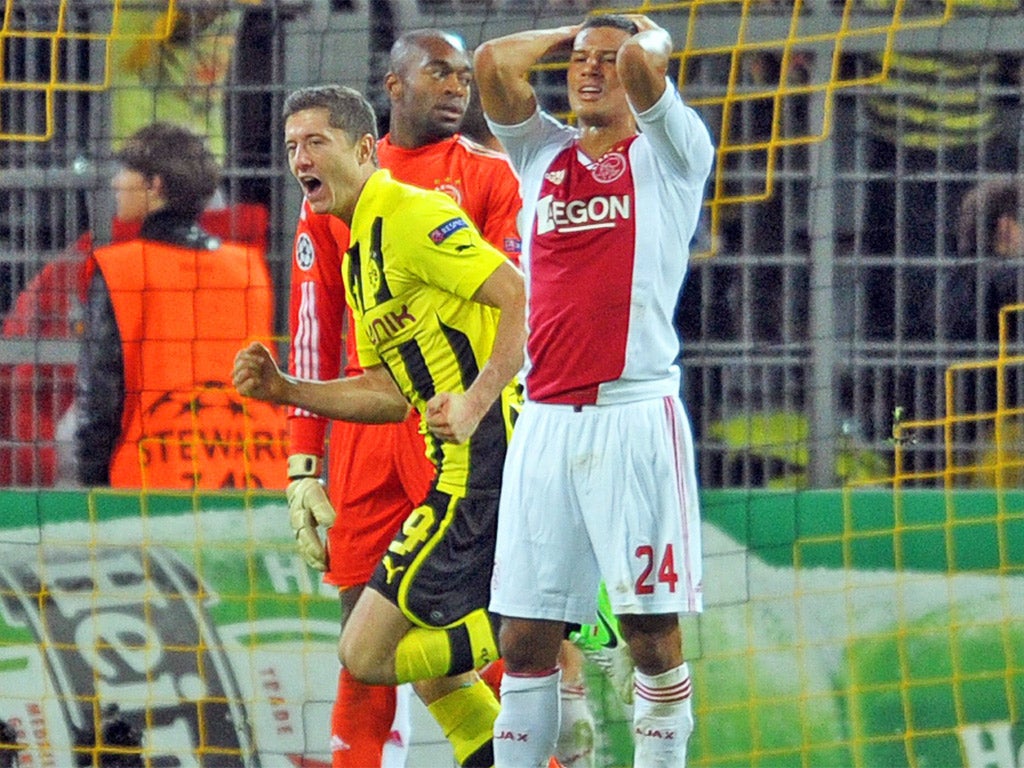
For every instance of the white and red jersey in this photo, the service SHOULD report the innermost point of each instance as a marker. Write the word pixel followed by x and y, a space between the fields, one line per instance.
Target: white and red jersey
pixel 613 233
pixel 480 180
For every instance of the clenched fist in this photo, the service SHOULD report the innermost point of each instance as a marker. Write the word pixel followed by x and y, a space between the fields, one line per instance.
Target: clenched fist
pixel 256 375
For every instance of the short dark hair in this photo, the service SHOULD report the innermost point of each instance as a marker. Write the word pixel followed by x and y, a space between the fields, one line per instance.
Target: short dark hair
pixel 347 109
pixel 613 20
pixel 980 211
pixel 181 158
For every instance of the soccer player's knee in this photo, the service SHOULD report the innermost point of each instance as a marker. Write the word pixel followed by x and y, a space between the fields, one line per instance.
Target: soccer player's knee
pixel 655 642
pixel 528 646
pixel 362 663
pixel 347 654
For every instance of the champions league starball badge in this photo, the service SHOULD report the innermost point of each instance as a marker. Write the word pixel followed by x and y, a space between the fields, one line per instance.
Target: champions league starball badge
pixel 305 253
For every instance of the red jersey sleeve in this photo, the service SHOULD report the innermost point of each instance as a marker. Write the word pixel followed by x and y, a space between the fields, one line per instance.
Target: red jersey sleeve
pixel 499 224
pixel 316 314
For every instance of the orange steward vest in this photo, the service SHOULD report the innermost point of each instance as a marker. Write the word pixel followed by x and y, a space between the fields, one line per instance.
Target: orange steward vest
pixel 182 315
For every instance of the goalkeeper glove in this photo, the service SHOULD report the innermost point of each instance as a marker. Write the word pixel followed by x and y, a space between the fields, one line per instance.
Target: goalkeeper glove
pixel 308 508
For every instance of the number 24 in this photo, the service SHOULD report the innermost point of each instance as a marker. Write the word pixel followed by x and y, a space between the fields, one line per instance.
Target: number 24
pixel 666 570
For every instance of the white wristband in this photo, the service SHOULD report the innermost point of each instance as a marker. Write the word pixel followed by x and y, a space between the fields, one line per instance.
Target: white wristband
pixel 304 465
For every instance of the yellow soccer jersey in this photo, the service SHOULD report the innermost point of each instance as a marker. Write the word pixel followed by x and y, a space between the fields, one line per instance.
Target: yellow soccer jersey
pixel 414 263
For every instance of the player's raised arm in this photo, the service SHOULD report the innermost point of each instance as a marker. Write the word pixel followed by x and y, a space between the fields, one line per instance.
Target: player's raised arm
pixel 502 68
pixel 642 63
pixel 370 398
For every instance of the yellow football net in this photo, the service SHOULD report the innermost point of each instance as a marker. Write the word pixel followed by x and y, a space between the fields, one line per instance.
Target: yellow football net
pixel 994 431
pixel 49 35
pixel 779 69
pixel 961 702
pixel 859 628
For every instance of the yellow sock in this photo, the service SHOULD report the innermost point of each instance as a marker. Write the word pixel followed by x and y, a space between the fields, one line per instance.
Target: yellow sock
pixel 467 715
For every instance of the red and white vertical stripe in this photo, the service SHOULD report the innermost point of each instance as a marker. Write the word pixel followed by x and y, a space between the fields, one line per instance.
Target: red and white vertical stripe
pixel 306 339
pixel 674 419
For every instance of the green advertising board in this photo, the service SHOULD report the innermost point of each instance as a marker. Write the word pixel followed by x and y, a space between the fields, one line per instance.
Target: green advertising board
pixel 864 629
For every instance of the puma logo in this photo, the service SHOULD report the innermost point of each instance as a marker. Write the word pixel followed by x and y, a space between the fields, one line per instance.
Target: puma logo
pixel 392 571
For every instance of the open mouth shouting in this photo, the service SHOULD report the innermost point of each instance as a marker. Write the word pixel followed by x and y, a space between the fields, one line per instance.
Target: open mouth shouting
pixel 313 188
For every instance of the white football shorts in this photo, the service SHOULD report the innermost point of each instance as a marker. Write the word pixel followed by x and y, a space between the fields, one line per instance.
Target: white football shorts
pixel 598 492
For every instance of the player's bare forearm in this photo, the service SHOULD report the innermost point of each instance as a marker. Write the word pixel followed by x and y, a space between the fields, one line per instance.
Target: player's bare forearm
pixel 370 398
pixel 358 398
pixel 502 66
pixel 642 63
pixel 505 290
pixel 454 417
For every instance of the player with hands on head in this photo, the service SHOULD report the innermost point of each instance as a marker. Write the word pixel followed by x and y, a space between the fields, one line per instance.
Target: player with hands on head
pixel 599 480
pixel 439 324
pixel 377 474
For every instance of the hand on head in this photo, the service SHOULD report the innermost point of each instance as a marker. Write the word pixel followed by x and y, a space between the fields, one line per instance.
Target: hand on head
pixel 642 22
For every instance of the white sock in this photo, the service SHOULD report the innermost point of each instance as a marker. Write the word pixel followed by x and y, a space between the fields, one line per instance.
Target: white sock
pixel 662 718
pixel 527 726
pixel 575 748
pixel 396 748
